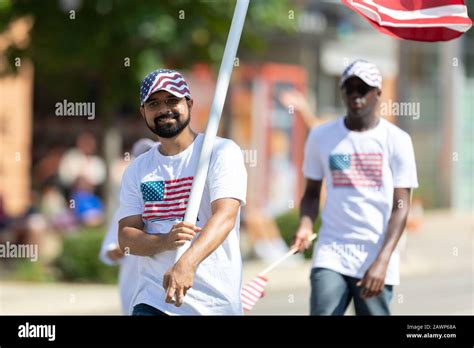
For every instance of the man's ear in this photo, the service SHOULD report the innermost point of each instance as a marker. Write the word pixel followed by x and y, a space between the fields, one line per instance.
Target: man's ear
pixel 142 111
pixel 379 92
pixel 190 103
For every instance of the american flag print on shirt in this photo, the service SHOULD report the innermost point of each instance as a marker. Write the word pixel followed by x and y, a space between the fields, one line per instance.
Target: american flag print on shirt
pixel 363 169
pixel 166 200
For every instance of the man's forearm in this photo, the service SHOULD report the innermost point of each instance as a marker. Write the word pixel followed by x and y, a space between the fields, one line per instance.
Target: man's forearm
pixel 138 242
pixel 309 211
pixel 396 226
pixel 212 235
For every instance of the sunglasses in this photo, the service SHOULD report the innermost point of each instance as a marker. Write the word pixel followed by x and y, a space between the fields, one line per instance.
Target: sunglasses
pixel 362 89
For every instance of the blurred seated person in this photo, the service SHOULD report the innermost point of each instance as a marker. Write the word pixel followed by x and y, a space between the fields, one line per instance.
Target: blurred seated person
pixel 82 161
pixel 87 206
pixel 47 168
pixel 30 227
pixel 55 209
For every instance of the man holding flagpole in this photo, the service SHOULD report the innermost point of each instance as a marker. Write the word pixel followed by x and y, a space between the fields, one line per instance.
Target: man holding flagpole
pixel 154 195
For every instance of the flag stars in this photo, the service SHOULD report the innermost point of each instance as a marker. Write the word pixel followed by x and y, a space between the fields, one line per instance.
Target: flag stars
pixel 153 190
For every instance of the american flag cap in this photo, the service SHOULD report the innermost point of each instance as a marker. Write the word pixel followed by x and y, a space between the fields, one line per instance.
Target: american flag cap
pixel 164 80
pixel 366 71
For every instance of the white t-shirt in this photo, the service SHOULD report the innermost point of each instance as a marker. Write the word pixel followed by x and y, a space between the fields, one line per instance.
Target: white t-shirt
pixel 361 170
pixel 128 266
pixel 157 187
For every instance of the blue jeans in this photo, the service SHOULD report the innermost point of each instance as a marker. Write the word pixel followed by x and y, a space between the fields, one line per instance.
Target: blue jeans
pixel 143 309
pixel 331 293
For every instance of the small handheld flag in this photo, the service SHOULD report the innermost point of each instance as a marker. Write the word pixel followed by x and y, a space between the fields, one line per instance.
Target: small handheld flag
pixel 255 289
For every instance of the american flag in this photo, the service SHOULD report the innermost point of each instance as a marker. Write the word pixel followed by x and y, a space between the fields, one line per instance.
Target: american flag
pixel 419 20
pixel 255 289
pixel 166 200
pixel 164 79
pixel 356 170
pixel 252 292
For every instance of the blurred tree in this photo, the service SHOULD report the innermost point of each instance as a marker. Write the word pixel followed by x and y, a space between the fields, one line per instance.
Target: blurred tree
pixel 100 50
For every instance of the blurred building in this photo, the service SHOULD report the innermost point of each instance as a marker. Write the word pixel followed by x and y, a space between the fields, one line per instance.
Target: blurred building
pixel 436 78
pixel 440 77
pixel 327 37
pixel 16 104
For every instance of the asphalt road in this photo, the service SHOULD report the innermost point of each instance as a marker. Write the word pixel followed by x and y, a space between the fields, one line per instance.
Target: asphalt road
pixel 447 293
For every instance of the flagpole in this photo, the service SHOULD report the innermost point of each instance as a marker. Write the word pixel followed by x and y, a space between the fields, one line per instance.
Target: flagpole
pixel 283 258
pixel 254 289
pixel 217 105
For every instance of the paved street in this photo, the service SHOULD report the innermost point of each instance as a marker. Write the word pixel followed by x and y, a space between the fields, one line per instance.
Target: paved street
pixel 443 294
pixel 436 273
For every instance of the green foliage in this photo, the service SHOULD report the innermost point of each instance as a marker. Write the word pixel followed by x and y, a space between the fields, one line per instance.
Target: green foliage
pixel 288 224
pixel 79 260
pixel 25 270
pixel 81 55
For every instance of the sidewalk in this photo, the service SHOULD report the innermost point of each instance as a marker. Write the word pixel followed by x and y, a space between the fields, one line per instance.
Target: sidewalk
pixel 18 298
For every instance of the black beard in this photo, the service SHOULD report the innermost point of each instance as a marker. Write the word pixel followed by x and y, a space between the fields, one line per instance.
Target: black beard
pixel 169 131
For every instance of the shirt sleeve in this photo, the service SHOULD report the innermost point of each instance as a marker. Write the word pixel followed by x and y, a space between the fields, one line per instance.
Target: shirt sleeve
pixel 402 163
pixel 130 197
pixel 227 174
pixel 312 164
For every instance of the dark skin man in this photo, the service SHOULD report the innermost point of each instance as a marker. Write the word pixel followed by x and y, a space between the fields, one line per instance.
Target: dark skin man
pixel 361 101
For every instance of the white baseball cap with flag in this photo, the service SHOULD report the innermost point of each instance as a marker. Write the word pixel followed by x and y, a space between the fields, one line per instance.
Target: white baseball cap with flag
pixel 164 80
pixel 366 71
